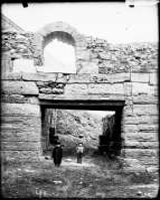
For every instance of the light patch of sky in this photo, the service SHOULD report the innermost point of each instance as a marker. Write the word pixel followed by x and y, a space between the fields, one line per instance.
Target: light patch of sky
pixel 114 22
pixel 101 113
pixel 59 55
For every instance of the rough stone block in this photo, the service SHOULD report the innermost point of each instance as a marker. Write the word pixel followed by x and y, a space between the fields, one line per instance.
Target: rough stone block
pixel 19 87
pixel 80 78
pixel 143 88
pixel 140 77
pixel 106 89
pixel 145 109
pixel 130 128
pixel 142 136
pixel 128 89
pixel 20 156
pixel 88 67
pixel 153 78
pixel 141 120
pixel 20 128
pixel 147 157
pixel 19 135
pixel 6 63
pixel 11 109
pixel 39 76
pixel 140 144
pixel 20 146
pixel 99 78
pixel 24 65
pixel 117 77
pixel 17 98
pixel 148 127
pixel 75 89
pixel 11 76
pixel 47 90
pixel 145 99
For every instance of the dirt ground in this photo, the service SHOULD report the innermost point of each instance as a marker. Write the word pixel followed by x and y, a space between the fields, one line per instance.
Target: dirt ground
pixel 96 177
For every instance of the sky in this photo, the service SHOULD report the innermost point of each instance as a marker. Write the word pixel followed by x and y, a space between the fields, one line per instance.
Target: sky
pixel 115 22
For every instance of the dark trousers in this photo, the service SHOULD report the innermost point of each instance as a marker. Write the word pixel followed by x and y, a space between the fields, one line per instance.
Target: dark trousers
pixel 79 157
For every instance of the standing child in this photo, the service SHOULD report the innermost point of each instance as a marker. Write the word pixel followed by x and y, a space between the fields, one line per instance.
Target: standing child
pixel 80 151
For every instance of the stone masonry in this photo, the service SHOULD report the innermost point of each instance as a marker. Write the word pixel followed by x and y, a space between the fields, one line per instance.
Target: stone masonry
pixel 104 72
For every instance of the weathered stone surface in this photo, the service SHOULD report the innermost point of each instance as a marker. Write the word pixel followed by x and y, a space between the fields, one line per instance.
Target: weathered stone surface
pixel 141 120
pixel 11 76
pixel 142 136
pixel 130 129
pixel 19 87
pixel 128 89
pixel 17 98
pixel 146 157
pixel 145 99
pixel 145 109
pixel 18 134
pixel 81 96
pixel 142 88
pixel 128 111
pixel 20 156
pixel 153 78
pixel 148 127
pixel 140 77
pixel 106 89
pixel 88 67
pixel 75 89
pixel 12 109
pixel 20 129
pixel 26 65
pixel 6 64
pixel 39 76
pixel 47 90
pixel 99 78
pixel 20 146
pixel 140 145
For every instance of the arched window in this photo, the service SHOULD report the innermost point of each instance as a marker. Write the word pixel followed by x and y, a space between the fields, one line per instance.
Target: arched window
pixel 59 53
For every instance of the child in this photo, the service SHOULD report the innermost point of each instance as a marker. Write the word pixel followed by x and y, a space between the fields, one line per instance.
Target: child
pixel 80 150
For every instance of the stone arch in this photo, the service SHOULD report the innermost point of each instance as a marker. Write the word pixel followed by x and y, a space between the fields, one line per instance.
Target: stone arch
pixel 64 33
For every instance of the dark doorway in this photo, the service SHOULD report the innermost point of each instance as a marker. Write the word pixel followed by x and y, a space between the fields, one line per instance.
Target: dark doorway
pixel 109 141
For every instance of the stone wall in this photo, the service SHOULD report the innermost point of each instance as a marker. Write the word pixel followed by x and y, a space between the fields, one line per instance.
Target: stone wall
pixel 104 72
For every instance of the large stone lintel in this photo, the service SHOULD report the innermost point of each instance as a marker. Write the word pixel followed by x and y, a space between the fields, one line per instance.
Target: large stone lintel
pixel 81 97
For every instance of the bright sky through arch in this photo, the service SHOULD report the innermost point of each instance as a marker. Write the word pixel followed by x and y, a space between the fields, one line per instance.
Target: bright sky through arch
pixel 59 57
